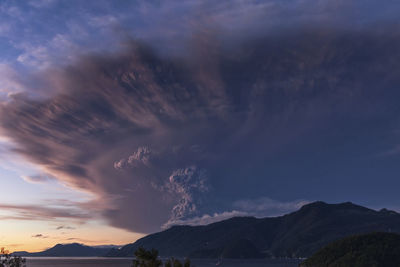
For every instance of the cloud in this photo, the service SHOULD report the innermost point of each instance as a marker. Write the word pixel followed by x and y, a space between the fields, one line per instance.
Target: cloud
pixel 40 236
pixel 31 212
pixel 86 241
pixel 206 219
pixel 264 206
pixel 10 82
pixel 36 56
pixel 141 156
pixel 189 184
pixel 37 179
pixel 158 138
pixel 259 208
pixel 65 227
pixel 85 26
pixel 41 3
pixel 4 29
pixel 103 21
pixel 116 116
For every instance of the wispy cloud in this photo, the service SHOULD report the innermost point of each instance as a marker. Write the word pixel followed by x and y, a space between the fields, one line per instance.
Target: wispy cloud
pixel 40 236
pixel 10 82
pixel 264 206
pixel 206 218
pixel 86 241
pixel 259 208
pixel 37 179
pixel 41 3
pixel 65 227
pixel 32 212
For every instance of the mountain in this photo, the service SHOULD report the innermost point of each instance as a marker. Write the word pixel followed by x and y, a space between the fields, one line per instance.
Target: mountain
pixel 69 250
pixel 298 234
pixel 375 249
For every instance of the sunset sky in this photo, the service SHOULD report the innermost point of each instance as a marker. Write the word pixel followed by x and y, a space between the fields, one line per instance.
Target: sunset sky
pixel 123 118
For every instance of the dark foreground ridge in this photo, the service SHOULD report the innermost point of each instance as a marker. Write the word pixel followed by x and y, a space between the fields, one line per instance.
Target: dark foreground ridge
pixel 298 234
pixel 375 249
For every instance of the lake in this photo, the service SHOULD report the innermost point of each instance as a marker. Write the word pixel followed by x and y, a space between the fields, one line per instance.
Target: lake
pixel 126 262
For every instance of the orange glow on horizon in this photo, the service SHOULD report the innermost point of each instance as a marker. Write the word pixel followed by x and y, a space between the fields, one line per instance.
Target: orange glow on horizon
pixel 35 236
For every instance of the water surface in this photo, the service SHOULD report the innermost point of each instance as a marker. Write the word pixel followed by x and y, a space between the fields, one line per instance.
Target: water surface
pixel 127 262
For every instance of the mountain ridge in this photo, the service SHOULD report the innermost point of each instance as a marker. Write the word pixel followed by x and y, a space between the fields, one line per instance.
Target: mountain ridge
pixel 297 234
pixel 69 250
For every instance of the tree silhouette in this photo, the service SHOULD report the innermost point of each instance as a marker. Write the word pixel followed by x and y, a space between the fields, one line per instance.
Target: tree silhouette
pixel 149 258
pixel 6 260
pixel 176 263
pixel 146 258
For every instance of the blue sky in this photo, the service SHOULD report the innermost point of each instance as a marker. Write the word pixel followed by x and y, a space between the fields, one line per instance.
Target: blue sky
pixel 132 116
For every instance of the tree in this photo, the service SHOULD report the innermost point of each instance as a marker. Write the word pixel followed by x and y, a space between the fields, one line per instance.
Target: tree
pixel 149 258
pixel 146 258
pixel 6 260
pixel 373 249
pixel 176 263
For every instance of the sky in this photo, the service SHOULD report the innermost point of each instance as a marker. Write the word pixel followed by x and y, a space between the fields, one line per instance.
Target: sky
pixel 123 118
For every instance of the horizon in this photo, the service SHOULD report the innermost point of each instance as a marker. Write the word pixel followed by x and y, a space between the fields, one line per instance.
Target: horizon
pixel 121 119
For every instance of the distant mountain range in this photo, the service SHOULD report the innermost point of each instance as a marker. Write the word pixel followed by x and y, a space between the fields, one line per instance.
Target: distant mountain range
pixel 69 250
pixel 298 234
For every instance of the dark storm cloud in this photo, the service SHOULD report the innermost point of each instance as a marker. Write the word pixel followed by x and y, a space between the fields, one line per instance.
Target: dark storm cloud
pixel 160 139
